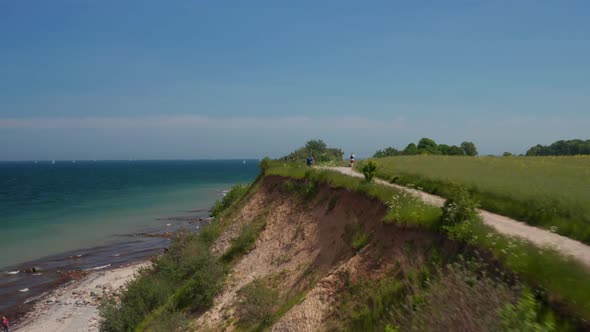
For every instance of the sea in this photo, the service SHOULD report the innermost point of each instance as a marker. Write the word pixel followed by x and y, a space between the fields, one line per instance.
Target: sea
pixel 62 217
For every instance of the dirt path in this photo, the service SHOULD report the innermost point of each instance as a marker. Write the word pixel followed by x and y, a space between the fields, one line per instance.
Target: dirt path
pixel 502 224
pixel 74 307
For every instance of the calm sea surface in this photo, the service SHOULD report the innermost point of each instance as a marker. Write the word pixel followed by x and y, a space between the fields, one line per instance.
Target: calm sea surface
pixel 91 211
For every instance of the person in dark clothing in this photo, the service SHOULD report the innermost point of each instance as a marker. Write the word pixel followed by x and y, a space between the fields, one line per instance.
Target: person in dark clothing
pixel 309 161
pixel 4 324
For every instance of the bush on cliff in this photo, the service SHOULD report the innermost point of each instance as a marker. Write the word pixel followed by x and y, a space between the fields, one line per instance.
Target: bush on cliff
pixel 233 195
pixel 459 207
pixel 369 170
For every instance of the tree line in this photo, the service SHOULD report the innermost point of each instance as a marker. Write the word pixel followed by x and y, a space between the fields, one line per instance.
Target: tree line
pixel 429 146
pixel 561 148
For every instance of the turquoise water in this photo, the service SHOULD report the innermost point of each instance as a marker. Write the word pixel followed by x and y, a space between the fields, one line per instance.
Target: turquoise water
pixel 46 208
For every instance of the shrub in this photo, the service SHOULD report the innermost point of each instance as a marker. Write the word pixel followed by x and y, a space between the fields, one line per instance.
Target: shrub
pixel 459 207
pixel 233 195
pixel 332 204
pixel 359 238
pixel 369 170
pixel 142 295
pixel 187 277
pixel 455 298
pixel 245 240
pixel 257 304
pixel 306 189
pixel 363 305
pixel 525 316
pixel 264 164
pixel 406 209
pixel 168 321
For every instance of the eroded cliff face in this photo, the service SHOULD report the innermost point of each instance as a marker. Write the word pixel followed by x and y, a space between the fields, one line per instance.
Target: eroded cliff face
pixel 306 251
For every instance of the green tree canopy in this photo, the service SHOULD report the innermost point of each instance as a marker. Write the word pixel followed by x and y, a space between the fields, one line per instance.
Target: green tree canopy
pixel 469 148
pixel 428 146
pixel 387 152
pixel 410 150
pixel 318 148
pixel 561 148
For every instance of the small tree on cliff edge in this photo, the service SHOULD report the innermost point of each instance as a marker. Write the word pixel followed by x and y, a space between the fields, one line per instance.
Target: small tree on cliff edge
pixel 369 170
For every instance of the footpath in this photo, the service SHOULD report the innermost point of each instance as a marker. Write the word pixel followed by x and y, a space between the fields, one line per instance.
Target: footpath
pixel 540 237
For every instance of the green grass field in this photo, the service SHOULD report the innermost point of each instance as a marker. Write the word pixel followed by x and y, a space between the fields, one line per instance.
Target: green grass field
pixel 549 192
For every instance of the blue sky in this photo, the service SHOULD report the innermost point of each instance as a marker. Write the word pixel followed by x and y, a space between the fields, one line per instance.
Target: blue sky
pixel 219 79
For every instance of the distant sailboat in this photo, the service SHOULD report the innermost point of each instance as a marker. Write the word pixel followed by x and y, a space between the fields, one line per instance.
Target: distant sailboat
pixel 244 162
pixel 53 162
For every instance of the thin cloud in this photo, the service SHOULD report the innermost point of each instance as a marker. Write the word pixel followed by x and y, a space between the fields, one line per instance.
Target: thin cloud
pixel 200 122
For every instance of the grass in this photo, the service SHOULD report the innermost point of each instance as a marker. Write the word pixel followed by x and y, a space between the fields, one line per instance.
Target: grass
pixel 358 237
pixel 257 305
pixel 565 281
pixel 548 192
pixel 561 278
pixel 245 240
pixel 414 211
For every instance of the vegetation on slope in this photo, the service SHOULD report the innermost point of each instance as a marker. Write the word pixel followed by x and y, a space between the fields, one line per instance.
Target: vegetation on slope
pixel 184 280
pixel 557 279
pixel 548 192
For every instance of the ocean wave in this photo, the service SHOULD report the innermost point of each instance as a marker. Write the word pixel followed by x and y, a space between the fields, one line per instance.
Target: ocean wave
pixel 98 268
pixel 13 272
pixel 24 290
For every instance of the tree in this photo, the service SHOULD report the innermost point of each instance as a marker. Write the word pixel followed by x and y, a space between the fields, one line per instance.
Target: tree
pixel 387 152
pixel 316 146
pixel 410 150
pixel 428 146
pixel 561 148
pixel 455 151
pixel 469 148
pixel 443 149
pixel 507 154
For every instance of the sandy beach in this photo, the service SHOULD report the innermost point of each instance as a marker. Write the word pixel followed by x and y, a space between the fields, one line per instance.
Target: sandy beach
pixel 74 306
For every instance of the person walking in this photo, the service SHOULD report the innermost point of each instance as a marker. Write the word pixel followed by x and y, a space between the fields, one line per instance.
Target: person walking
pixel 309 161
pixel 352 160
pixel 4 324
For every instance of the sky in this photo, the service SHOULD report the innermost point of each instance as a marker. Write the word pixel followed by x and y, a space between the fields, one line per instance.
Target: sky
pixel 105 79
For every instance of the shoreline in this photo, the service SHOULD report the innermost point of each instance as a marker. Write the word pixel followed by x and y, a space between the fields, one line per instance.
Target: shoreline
pixel 35 280
pixel 73 306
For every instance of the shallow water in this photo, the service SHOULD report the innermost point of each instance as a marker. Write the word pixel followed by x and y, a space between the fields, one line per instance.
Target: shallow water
pixel 86 215
pixel 50 208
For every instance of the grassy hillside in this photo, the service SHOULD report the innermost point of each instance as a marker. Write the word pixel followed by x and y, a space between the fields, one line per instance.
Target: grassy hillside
pixel 549 192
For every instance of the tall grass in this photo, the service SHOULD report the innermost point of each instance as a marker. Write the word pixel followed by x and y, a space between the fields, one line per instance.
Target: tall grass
pixel 414 209
pixel 549 192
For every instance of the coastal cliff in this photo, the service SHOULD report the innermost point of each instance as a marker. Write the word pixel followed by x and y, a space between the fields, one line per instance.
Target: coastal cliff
pixel 320 248
pixel 314 250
